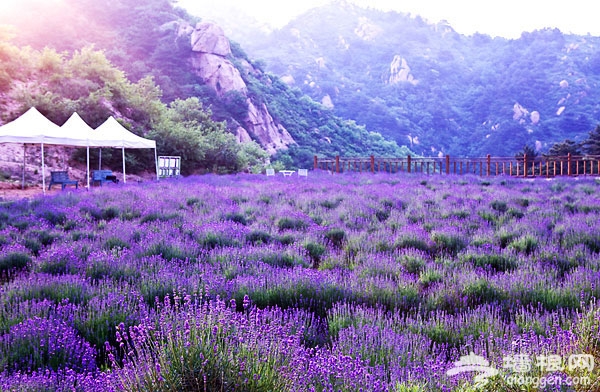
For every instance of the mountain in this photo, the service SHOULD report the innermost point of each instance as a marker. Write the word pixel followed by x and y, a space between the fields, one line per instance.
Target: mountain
pixel 154 42
pixel 438 91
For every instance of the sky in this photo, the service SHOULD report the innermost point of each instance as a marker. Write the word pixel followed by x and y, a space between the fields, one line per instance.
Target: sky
pixel 504 18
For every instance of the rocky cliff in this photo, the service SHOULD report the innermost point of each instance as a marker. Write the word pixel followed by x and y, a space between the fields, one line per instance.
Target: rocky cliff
pixel 211 62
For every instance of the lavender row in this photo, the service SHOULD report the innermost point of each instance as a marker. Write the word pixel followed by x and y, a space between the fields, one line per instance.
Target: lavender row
pixel 373 282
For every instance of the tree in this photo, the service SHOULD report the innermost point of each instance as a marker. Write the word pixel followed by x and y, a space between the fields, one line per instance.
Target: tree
pixel 527 151
pixel 591 145
pixel 527 155
pixel 564 148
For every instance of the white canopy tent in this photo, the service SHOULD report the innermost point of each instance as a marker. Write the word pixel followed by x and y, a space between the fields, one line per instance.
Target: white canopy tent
pixel 33 128
pixel 76 126
pixel 112 134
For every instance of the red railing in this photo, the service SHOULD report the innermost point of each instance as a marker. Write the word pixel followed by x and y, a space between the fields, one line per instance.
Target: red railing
pixel 487 166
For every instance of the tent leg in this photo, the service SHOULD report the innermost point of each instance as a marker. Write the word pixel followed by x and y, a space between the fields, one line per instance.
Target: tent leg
pixel 23 174
pixel 43 172
pixel 156 163
pixel 124 178
pixel 88 168
pixel 100 159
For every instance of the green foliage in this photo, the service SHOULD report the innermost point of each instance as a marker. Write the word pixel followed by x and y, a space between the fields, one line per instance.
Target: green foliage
pixel 591 145
pixel 204 145
pixel 13 262
pixel 336 236
pixel 315 252
pixel 258 237
pixel 499 205
pixel 496 262
pixel 291 224
pixel 564 148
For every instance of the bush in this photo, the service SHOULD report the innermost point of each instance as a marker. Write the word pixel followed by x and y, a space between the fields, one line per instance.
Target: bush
pixel 336 237
pixel 315 252
pixel 237 218
pixel 45 344
pixel 291 224
pixel 499 206
pixel 526 244
pixel 258 237
pixel 14 261
pixel 115 243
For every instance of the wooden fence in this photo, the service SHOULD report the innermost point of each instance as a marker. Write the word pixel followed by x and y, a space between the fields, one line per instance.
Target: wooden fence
pixel 487 166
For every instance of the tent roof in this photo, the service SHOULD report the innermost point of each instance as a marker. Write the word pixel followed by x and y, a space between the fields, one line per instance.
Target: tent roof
pixel 112 134
pixel 31 127
pixel 79 130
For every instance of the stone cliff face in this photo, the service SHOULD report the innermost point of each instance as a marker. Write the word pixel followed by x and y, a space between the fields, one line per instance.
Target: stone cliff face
pixel 210 62
pixel 400 72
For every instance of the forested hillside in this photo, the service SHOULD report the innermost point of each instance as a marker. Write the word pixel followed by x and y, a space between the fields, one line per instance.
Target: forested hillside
pixel 440 92
pixel 135 60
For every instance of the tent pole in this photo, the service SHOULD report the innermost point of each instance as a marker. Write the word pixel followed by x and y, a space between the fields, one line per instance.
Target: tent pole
pixel 100 159
pixel 43 172
pixel 156 163
pixel 23 174
pixel 88 168
pixel 124 179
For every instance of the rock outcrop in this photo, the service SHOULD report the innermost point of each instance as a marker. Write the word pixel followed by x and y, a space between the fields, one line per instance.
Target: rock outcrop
pixel 400 72
pixel 211 63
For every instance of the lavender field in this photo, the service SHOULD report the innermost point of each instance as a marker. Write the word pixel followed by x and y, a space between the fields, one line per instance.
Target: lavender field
pixel 331 283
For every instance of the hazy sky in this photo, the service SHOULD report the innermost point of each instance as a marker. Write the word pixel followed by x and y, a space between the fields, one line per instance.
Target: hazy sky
pixel 506 18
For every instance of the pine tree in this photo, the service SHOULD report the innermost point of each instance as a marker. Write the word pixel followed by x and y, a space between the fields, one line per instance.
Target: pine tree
pixel 591 145
pixel 564 148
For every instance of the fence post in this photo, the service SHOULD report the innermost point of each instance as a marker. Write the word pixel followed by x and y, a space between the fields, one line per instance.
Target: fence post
pixel 316 162
pixel 568 164
pixel 524 165
pixel 337 164
pixel 408 163
pixel 447 164
pixel 488 163
pixel 372 164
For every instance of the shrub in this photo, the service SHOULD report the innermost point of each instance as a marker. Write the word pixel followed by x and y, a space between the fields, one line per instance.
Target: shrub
pixel 193 201
pixel 280 260
pixel 170 252
pixel 497 262
pixel 156 216
pixel 448 243
pixel 115 243
pixel 258 237
pixel 412 264
pixel 382 215
pixel 411 242
pixel 336 236
pixel 286 239
pixel 53 288
pixel 109 213
pixel 429 277
pixel 498 205
pixel 481 291
pixel 315 252
pixel 331 204
pixel 55 218
pixel 45 344
pixel 237 218
pixel 214 240
pixel 291 224
pixel 525 244
pixel 14 261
